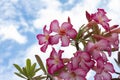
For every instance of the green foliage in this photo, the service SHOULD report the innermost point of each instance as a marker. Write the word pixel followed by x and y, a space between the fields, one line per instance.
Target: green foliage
pixel 27 72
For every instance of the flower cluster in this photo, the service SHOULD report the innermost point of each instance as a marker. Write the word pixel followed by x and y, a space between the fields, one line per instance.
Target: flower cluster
pixel 97 44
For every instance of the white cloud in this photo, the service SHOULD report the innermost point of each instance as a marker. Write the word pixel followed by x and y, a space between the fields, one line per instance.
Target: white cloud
pixel 11 33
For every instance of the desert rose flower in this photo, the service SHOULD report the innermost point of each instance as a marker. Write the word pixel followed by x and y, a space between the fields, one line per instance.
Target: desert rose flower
pixel 64 32
pixel 101 18
pixel 55 62
pixel 73 74
pixel 103 70
pixel 44 39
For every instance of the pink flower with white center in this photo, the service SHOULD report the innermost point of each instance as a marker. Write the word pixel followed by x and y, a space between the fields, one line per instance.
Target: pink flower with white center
pixel 73 74
pixel 103 70
pixel 101 18
pixel 83 60
pixel 44 39
pixel 96 49
pixel 55 62
pixel 65 32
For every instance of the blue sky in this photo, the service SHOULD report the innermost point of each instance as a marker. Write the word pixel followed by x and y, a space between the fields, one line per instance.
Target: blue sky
pixel 22 20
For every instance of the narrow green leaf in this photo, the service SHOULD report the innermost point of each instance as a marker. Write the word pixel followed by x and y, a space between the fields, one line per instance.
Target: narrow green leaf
pixel 36 70
pixel 25 72
pixel 28 66
pixel 32 70
pixel 40 63
pixel 18 68
pixel 18 74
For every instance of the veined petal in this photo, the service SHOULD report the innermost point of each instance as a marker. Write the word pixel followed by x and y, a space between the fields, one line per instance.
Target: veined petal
pixel 54 26
pixel 66 26
pixel 65 75
pixel 106 76
pixel 41 38
pixel 80 72
pixel 109 67
pixel 44 47
pixel 54 39
pixel 65 41
pixel 71 33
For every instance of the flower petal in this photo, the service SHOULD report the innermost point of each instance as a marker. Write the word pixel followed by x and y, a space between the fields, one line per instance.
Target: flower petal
pixel 54 26
pixel 41 38
pixel 54 39
pixel 66 26
pixel 71 33
pixel 44 47
pixel 109 67
pixel 65 41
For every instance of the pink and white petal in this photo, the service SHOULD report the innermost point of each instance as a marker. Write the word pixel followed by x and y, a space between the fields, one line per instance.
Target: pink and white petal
pixel 71 33
pixel 45 31
pixel 109 67
pixel 80 72
pixel 53 53
pixel 66 26
pixel 75 62
pixel 41 38
pixel 105 26
pixel 65 41
pixel 60 53
pixel 52 69
pixel 106 76
pixel 98 77
pixel 85 56
pixel 54 26
pixel 54 39
pixel 89 47
pixel 79 78
pixel 65 75
pixel 50 62
pixel 44 47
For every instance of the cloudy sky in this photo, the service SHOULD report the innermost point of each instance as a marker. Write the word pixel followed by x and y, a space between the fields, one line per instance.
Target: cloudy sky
pixel 22 20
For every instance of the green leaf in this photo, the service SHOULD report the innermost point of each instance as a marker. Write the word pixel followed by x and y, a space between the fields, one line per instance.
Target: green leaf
pixel 18 68
pixel 32 70
pixel 18 74
pixel 40 63
pixel 28 66
pixel 37 70
pixel 25 72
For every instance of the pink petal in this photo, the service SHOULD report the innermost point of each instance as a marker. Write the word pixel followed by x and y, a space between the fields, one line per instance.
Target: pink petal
pixel 54 39
pixel 80 72
pixel 53 53
pixel 44 47
pixel 65 75
pixel 66 26
pixel 106 76
pixel 71 33
pixel 41 38
pixel 65 41
pixel 85 56
pixel 54 26
pixel 98 77
pixel 45 31
pixel 109 67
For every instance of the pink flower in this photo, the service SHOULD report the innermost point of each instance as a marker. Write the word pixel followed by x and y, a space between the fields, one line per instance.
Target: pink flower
pixel 44 39
pixel 83 60
pixel 103 70
pixel 73 74
pixel 101 18
pixel 65 32
pixel 114 40
pixel 55 62
pixel 96 49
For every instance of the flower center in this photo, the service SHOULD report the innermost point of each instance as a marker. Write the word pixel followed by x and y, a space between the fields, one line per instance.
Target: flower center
pixel 62 32
pixel 46 37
